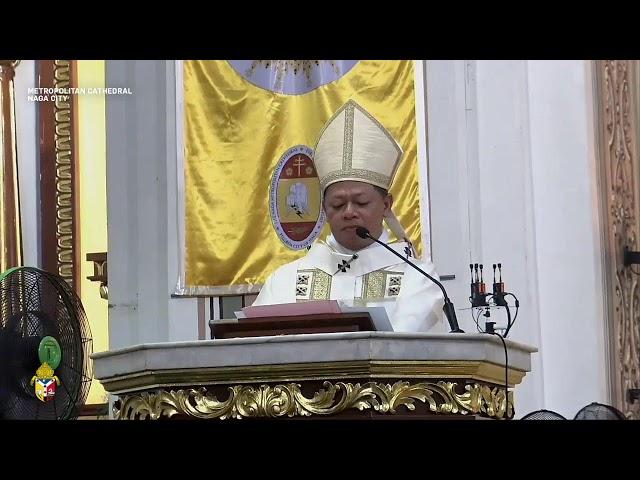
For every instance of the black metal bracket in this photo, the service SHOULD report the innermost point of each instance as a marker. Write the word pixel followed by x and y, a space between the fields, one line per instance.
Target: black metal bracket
pixel 631 257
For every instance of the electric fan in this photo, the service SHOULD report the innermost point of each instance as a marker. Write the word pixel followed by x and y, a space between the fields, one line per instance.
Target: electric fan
pixel 45 347
pixel 543 415
pixel 599 411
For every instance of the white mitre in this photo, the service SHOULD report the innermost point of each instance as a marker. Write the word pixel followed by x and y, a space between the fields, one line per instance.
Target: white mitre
pixel 353 145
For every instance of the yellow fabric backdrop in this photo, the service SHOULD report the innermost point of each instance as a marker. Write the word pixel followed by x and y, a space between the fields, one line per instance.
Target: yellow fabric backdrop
pixel 235 134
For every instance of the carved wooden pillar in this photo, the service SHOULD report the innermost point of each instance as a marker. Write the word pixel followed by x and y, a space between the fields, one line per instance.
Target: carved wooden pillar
pixel 58 177
pixel 10 226
pixel 617 85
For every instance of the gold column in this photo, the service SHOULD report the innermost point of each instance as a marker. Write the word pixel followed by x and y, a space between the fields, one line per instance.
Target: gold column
pixel 10 228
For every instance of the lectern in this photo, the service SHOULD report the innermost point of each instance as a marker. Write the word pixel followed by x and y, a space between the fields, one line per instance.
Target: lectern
pixel 357 374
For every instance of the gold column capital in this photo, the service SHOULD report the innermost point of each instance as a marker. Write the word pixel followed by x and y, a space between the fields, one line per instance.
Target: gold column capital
pixel 9 63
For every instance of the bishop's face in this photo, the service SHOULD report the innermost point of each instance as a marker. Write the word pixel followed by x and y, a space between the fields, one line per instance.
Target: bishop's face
pixel 352 204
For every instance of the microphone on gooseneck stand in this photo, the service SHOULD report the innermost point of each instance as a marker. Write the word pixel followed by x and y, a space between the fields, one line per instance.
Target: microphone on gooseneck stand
pixel 448 308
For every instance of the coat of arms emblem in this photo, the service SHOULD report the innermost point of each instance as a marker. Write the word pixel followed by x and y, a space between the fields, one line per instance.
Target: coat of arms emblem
pixel 296 212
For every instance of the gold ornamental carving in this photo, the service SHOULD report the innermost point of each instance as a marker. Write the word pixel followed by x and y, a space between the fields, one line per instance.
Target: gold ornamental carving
pixel 287 400
pixel 64 192
pixel 618 124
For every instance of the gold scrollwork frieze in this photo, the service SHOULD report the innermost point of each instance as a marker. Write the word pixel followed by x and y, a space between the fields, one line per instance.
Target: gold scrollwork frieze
pixel 287 400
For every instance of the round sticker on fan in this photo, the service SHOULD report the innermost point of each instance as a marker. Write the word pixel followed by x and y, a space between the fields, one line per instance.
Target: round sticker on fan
pixel 50 354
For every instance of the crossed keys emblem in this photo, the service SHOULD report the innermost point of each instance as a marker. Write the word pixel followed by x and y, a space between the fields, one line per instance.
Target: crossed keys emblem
pixel 342 267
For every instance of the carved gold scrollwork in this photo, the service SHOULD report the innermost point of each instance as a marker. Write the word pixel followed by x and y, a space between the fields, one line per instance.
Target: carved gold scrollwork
pixel 64 182
pixel 618 124
pixel 288 400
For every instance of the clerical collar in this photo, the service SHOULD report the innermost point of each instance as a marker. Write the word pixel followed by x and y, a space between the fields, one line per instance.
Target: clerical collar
pixel 333 243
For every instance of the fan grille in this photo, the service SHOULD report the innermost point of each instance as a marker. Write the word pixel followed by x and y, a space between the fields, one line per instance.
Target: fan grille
pixel 35 304
pixel 543 415
pixel 599 411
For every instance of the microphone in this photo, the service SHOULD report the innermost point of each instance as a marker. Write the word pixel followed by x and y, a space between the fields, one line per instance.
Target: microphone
pixel 448 308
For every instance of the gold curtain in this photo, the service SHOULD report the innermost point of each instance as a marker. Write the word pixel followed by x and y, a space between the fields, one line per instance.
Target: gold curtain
pixel 235 134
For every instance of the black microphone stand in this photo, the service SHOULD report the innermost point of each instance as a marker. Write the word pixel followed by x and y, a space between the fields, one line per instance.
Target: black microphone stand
pixel 448 308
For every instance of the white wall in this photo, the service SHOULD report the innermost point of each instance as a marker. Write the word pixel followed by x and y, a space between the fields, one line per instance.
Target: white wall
pixel 28 167
pixel 141 204
pixel 504 207
pixel 509 141
pixel 447 134
pixel 567 239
